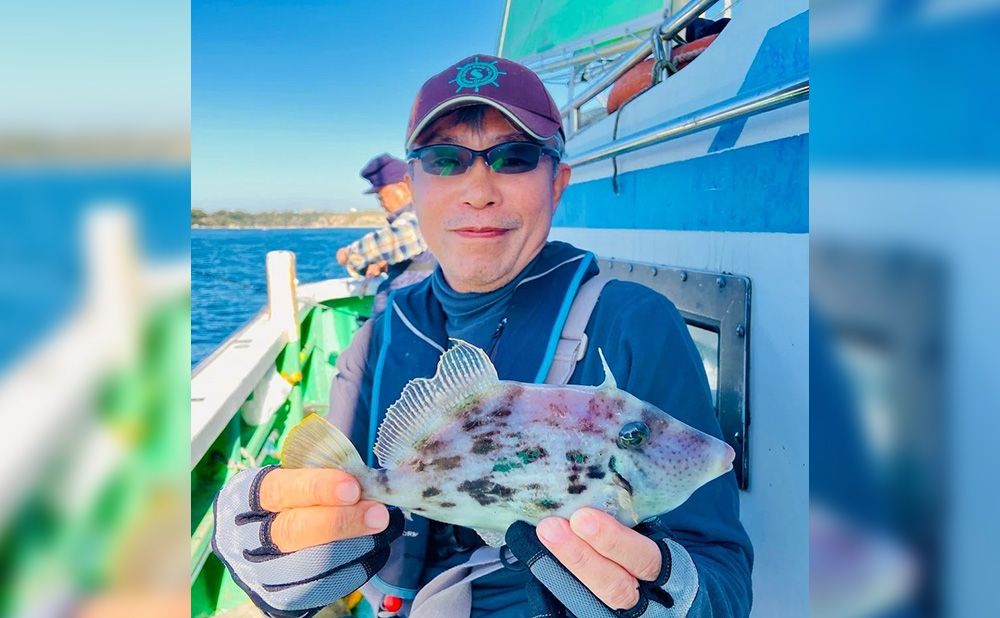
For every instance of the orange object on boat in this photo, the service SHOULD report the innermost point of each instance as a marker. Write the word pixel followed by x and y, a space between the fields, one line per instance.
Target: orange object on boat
pixel 682 55
pixel 635 80
pixel 640 77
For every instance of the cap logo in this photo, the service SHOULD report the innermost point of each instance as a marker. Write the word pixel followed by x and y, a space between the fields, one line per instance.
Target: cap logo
pixel 477 74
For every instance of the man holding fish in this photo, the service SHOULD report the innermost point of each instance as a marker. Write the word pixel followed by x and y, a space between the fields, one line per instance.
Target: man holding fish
pixel 494 402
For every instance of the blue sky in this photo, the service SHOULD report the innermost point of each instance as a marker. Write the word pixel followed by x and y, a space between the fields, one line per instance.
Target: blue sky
pixel 110 66
pixel 290 99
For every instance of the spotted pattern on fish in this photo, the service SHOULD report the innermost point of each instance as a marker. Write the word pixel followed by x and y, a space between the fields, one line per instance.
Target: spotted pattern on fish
pixel 501 412
pixel 483 445
pixel 533 454
pixel 604 408
pixel 382 477
pixel 548 504
pixel 513 451
pixel 506 465
pixel 442 463
pixel 512 394
pixel 485 491
pixel 558 409
pixel 432 446
pixel 474 423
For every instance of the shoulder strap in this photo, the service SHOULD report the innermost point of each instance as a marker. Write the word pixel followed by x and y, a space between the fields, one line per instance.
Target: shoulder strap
pixel 573 341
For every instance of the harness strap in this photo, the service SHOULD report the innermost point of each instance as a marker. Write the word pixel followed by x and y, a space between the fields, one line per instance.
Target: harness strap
pixel 573 340
pixel 450 593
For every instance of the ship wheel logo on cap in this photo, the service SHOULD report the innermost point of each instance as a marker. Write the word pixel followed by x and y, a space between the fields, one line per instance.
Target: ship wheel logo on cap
pixel 477 74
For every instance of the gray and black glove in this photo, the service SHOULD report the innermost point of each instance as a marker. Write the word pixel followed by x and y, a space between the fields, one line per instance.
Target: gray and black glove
pixel 555 592
pixel 298 583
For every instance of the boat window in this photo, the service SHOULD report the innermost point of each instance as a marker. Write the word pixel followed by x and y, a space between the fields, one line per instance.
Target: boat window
pixel 716 308
pixel 707 342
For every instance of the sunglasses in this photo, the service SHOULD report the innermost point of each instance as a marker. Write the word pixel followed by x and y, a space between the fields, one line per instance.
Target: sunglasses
pixel 506 158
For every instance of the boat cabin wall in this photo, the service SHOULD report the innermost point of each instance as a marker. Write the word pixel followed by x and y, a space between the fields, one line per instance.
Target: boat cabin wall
pixel 732 199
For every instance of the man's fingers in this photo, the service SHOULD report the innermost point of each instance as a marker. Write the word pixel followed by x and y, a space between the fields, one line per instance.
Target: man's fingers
pixel 316 525
pixel 284 489
pixel 609 582
pixel 636 553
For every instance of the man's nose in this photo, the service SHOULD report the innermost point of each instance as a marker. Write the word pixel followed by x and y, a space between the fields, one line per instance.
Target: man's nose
pixel 480 190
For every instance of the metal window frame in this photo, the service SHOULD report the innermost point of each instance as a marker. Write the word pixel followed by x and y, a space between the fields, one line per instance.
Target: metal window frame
pixel 719 302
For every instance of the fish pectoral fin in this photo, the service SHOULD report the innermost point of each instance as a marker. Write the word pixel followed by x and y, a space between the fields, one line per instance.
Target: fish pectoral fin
pixel 618 501
pixel 464 371
pixel 492 538
pixel 625 502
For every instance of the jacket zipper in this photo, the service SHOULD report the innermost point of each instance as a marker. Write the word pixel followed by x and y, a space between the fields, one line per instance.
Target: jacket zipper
pixel 496 337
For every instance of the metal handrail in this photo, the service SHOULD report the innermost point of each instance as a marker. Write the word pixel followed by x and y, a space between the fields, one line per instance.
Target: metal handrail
pixel 670 27
pixel 740 106
pixel 550 65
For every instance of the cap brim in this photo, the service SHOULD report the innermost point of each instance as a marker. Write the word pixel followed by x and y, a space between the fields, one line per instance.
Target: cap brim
pixel 535 125
pixel 370 190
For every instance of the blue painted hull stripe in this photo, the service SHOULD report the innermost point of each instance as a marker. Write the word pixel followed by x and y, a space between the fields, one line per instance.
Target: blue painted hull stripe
pixel 758 188
pixel 782 54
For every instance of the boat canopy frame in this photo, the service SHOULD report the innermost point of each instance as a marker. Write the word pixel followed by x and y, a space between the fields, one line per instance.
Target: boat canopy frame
pixel 719 303
pixel 668 30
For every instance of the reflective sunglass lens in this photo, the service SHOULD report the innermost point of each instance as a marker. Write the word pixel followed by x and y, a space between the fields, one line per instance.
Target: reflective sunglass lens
pixel 444 160
pixel 514 158
pixel 451 160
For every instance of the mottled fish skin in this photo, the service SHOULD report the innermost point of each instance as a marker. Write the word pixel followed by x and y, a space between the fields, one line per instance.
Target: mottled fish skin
pixel 525 452
pixel 469 449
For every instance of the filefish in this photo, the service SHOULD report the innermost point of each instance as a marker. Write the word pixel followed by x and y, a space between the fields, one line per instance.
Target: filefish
pixel 467 448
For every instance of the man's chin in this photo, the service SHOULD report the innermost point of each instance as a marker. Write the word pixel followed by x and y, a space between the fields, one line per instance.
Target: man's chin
pixel 472 277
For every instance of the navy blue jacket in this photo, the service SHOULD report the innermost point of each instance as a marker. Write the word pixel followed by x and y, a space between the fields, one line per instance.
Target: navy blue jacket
pixel 651 353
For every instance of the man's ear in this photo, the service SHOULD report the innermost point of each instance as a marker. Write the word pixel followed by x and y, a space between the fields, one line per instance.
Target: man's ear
pixel 559 183
pixel 408 183
pixel 407 194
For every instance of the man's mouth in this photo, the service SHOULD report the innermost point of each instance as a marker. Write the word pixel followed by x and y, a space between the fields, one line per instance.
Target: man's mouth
pixel 481 232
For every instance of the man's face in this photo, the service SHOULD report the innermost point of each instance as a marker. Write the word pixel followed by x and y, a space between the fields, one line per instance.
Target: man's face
pixel 484 227
pixel 394 196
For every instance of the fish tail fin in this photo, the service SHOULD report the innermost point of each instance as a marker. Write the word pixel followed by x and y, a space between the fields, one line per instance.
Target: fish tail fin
pixel 316 443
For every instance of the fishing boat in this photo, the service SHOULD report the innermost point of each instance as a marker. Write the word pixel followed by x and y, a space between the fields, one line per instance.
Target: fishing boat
pixel 694 184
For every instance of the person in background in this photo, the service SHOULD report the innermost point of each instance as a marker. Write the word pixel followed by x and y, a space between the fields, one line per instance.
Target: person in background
pixel 397 249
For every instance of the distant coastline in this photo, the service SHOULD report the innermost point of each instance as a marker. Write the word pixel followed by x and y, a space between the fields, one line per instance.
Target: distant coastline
pixel 269 220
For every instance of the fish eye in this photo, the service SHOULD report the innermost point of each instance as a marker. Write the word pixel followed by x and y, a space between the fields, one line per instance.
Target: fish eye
pixel 633 435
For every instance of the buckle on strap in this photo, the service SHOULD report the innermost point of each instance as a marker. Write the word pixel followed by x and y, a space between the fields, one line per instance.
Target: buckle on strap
pixel 515 566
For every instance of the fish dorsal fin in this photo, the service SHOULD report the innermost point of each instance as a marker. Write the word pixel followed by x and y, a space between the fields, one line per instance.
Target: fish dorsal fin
pixel 463 372
pixel 609 378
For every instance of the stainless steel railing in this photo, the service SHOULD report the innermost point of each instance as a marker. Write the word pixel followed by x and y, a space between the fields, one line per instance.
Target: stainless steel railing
pixel 740 106
pixel 667 30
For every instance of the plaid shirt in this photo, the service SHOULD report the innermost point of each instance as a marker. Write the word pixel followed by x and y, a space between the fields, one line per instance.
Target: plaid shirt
pixel 398 241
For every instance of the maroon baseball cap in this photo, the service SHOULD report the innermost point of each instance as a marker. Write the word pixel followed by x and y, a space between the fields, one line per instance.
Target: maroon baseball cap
pixel 511 88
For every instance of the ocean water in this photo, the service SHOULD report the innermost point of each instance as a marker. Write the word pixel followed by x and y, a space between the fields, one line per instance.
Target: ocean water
pixel 43 265
pixel 228 279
